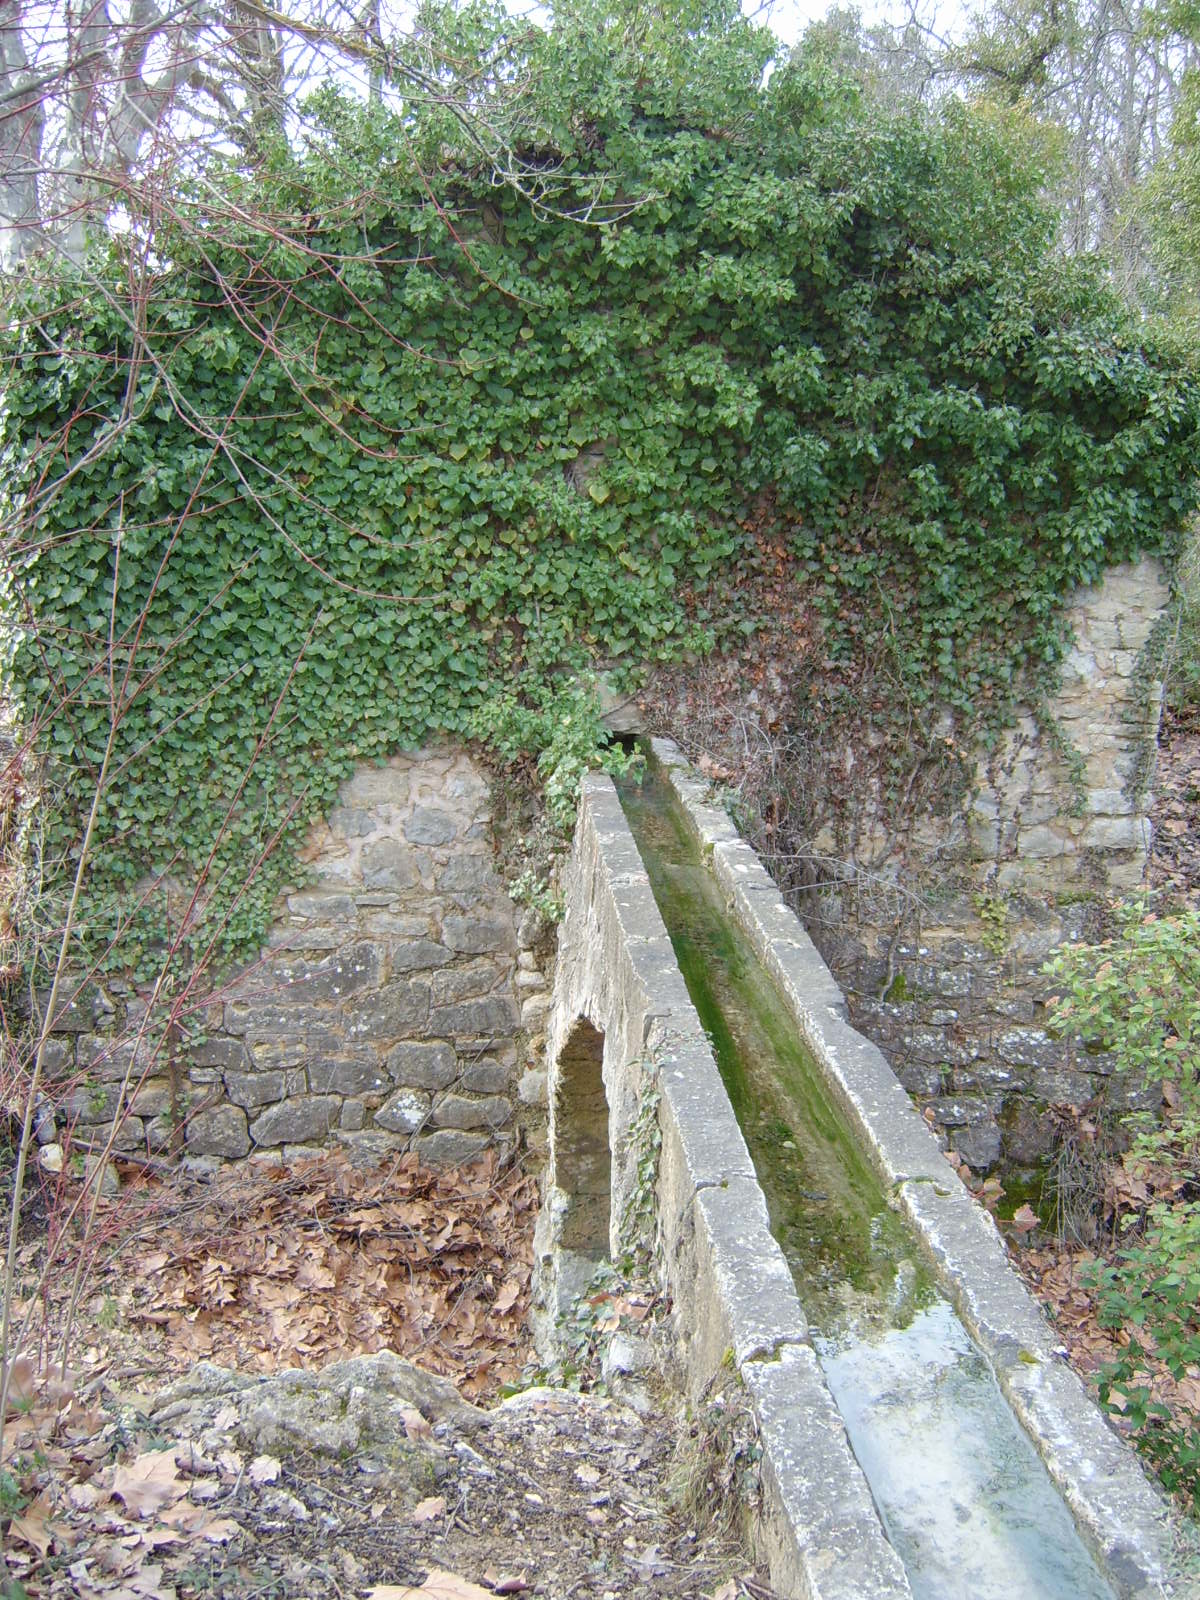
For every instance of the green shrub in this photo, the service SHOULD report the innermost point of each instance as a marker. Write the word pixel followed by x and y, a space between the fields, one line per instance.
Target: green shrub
pixel 1138 995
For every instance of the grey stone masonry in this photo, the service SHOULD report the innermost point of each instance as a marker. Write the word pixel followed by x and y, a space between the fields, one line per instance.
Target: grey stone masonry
pixel 384 1013
pixel 1030 818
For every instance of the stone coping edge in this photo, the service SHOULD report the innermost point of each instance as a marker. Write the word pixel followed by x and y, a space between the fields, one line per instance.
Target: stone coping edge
pixel 1124 1519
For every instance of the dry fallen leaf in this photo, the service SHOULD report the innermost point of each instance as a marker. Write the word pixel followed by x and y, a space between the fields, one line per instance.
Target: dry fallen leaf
pixel 437 1586
pixel 430 1509
pixel 264 1469
pixel 32 1527
pixel 148 1483
pixel 415 1425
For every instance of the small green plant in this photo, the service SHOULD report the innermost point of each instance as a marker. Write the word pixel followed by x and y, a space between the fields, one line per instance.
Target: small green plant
pixel 1137 994
pixel 12 1500
pixel 1153 1294
pixel 536 891
pixel 992 910
pixel 560 723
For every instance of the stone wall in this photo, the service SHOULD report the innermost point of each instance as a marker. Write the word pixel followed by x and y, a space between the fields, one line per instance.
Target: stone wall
pixel 1035 823
pixel 960 1003
pixel 396 1006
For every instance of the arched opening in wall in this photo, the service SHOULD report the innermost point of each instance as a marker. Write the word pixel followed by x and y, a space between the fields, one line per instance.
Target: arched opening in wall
pixel 582 1160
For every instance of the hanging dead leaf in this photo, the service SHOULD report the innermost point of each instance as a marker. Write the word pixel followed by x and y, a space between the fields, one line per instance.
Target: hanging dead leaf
pixel 21 1383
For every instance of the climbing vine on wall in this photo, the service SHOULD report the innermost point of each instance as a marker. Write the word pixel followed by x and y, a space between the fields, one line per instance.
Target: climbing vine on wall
pixel 382 448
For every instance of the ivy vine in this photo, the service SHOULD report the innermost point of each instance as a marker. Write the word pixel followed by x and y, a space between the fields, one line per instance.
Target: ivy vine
pixel 391 450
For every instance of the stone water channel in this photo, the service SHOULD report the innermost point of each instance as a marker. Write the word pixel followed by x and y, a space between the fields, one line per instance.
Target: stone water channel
pixel 964 1498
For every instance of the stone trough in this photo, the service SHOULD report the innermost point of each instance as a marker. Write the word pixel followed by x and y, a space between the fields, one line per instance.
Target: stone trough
pixel 623 1036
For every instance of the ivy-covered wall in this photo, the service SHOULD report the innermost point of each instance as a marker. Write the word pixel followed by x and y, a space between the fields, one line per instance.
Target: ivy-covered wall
pixel 378 446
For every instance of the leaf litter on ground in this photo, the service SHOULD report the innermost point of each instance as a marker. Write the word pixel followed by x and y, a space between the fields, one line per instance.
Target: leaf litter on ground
pixel 271 1268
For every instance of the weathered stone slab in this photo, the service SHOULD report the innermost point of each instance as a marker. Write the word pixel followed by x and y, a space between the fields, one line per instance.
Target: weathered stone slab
pixel 296 1120
pixel 405 1111
pixel 460 1111
pixel 477 934
pixel 423 1065
pixel 398 1010
pixel 491 1015
pixel 347 1075
pixel 220 1131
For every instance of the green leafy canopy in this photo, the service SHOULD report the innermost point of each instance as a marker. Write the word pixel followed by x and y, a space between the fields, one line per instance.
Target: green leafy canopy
pixel 394 441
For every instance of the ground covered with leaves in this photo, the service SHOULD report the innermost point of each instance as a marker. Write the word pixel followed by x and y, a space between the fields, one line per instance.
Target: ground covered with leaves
pixel 237 1419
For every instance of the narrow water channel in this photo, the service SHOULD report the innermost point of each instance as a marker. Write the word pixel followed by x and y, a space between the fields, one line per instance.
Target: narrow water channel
pixel 962 1494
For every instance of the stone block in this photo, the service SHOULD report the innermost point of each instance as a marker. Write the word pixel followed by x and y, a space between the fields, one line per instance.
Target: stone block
pixel 272 1053
pixel 376 786
pixel 388 864
pixel 266 1015
pixel 151 1098
pixel 73 1013
pixel 58 1055
pixel 485 1077
pixel 322 905
pixel 449 1148
pixel 108 1060
pixel 457 1111
pixel 468 875
pixel 298 1120
pixel 919 1077
pixel 398 1010
pixel 531 1090
pixel 466 983
pixel 1062 1087
pixel 254 1089
pixel 1043 844
pixel 423 1065
pixel 1117 833
pixel 220 1131
pixel 405 1112
pixel 385 923
pixel 479 934
pixel 347 972
pixel 228 1054
pixel 1029 1047
pixel 352 822
pixel 346 1075
pixel 354 1116
pixel 534 1009
pixel 92 1102
pixel 493 1015
pixel 416 955
pixel 160 1133
pixel 305 938
pixel 430 825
